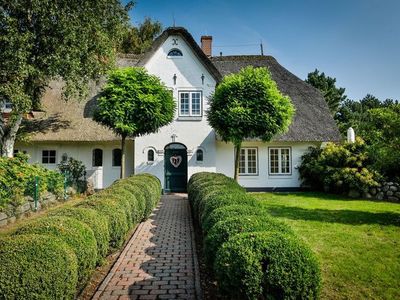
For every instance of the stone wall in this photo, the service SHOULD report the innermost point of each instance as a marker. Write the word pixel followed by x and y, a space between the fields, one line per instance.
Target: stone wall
pixel 11 213
pixel 388 191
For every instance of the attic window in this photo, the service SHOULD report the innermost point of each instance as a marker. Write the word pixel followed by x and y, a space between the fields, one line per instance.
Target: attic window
pixel 174 53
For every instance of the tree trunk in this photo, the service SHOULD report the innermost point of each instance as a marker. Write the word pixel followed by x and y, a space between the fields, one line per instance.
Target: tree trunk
pixel 237 159
pixel 122 175
pixel 8 134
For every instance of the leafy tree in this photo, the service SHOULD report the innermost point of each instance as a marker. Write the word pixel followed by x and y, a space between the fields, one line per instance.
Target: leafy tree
pixel 45 40
pixel 382 129
pixel 249 105
pixel 134 103
pixel 327 85
pixel 138 40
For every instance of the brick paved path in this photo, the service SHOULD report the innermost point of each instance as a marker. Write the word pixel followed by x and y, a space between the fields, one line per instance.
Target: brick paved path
pixel 159 262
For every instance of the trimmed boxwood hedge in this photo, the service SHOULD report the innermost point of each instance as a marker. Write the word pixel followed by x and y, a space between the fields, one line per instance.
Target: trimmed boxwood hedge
pixel 252 255
pixel 74 233
pixel 224 230
pixel 229 211
pixel 271 264
pixel 37 267
pixel 116 217
pixel 94 220
pixel 86 232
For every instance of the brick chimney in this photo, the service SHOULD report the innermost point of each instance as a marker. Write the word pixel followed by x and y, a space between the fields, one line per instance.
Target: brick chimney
pixel 206 45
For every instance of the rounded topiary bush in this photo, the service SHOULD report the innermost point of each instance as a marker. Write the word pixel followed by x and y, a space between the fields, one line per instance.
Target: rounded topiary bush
pixel 268 264
pixel 77 235
pixel 224 230
pixel 148 196
pixel 121 198
pixel 125 189
pixel 94 220
pixel 116 217
pixel 229 211
pixel 223 198
pixel 37 267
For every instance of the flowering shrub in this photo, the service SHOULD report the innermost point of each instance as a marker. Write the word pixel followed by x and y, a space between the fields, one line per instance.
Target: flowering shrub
pixel 338 168
pixel 17 179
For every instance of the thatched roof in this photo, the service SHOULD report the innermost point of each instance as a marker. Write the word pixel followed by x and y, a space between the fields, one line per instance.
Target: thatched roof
pixel 312 120
pixel 72 121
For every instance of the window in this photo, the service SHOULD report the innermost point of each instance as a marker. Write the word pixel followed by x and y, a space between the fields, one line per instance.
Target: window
pixel 97 158
pixel 175 52
pixel 279 161
pixel 199 155
pixel 248 161
pixel 116 157
pixel 6 106
pixel 150 156
pixel 190 104
pixel 48 156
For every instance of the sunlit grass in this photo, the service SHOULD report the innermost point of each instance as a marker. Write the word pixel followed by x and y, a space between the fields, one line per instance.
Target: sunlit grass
pixel 357 242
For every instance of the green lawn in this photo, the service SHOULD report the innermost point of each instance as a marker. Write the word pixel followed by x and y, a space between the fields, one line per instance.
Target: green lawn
pixel 357 242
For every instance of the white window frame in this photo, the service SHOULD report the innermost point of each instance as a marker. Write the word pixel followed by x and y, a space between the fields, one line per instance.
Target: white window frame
pixel 49 156
pixel 190 104
pixel 246 160
pixel 280 173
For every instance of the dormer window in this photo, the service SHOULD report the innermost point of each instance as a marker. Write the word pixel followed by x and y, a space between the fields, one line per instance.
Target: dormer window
pixel 6 106
pixel 175 53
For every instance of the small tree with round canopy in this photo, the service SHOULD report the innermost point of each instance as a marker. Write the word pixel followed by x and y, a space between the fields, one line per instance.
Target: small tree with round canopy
pixel 134 103
pixel 249 105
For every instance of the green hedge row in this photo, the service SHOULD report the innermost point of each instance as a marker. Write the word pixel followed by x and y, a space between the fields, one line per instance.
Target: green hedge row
pixel 52 257
pixel 252 254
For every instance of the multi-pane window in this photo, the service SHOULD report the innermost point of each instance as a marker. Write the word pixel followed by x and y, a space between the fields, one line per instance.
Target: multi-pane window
pixel 190 103
pixel 279 161
pixel 248 161
pixel 49 156
pixel 185 104
pixel 175 52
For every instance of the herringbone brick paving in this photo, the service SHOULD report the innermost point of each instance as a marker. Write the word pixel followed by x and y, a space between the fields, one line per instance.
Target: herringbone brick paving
pixel 159 262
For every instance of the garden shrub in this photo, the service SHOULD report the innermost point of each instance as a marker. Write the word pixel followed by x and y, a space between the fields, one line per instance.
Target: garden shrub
pixel 94 220
pixel 338 168
pixel 121 198
pixel 75 172
pixel 47 257
pixel 37 267
pixel 252 255
pixel 224 230
pixel 229 211
pixel 17 179
pixel 116 217
pixel 77 235
pixel 268 264
pixel 137 199
pixel 221 198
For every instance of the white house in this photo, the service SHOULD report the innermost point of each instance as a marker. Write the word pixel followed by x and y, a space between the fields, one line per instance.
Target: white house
pixel 188 145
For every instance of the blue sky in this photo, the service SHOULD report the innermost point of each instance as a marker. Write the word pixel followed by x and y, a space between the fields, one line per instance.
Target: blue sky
pixel 356 41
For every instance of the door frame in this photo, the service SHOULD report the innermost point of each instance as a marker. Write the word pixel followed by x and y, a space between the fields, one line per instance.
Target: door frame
pixel 165 165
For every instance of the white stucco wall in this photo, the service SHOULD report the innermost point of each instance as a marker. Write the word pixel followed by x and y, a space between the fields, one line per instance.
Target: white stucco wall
pixel 225 164
pixel 82 151
pixel 193 134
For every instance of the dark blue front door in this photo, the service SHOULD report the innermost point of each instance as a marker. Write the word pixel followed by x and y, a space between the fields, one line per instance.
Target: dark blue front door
pixel 175 166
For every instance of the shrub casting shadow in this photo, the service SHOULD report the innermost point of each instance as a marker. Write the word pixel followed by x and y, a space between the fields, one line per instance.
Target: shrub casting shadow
pixel 352 217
